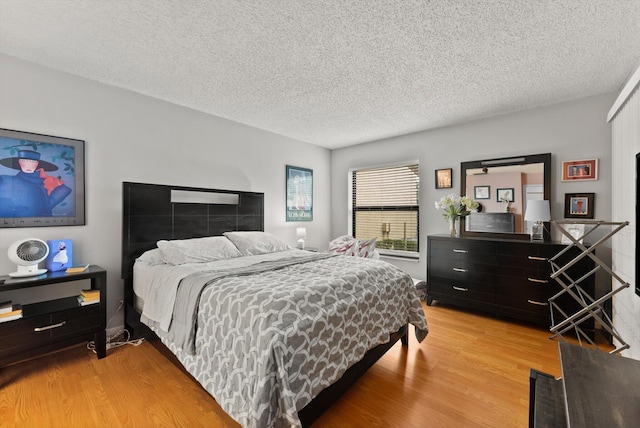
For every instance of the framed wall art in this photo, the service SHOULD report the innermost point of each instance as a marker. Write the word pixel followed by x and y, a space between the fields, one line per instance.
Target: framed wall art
pixel 505 194
pixel 444 178
pixel 299 185
pixel 41 180
pixel 579 205
pixel 580 170
pixel 481 192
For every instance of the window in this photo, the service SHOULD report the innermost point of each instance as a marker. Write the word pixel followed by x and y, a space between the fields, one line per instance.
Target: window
pixel 384 205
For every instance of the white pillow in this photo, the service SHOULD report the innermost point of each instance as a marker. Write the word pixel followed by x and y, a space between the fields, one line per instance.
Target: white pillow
pixel 151 257
pixel 254 243
pixel 197 250
pixel 350 246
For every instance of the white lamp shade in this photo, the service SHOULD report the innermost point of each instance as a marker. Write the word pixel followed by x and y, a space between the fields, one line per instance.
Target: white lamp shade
pixel 301 232
pixel 537 210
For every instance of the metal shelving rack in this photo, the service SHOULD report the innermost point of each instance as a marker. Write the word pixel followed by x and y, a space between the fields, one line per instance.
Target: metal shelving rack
pixel 591 308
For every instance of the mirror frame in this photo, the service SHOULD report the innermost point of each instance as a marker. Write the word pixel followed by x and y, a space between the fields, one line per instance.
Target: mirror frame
pixel 544 159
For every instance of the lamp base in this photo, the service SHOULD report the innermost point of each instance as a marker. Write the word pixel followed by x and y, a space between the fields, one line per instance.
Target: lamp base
pixel 300 244
pixel 537 232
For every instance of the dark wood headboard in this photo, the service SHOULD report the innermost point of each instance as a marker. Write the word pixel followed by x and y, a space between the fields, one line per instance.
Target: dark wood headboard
pixel 149 214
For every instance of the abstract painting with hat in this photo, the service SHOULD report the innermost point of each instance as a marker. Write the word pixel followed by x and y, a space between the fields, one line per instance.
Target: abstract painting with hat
pixel 36 179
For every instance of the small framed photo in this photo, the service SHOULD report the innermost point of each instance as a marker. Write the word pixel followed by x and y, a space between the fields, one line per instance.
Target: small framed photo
pixel 481 192
pixel 576 231
pixel 580 170
pixel 579 205
pixel 505 194
pixel 443 178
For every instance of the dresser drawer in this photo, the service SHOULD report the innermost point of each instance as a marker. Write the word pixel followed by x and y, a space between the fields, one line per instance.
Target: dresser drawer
pixel 462 290
pixel 460 249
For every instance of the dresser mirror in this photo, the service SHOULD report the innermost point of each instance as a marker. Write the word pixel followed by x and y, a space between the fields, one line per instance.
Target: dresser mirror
pixel 502 187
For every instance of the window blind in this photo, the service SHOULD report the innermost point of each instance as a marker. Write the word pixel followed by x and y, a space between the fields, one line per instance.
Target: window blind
pixel 385 206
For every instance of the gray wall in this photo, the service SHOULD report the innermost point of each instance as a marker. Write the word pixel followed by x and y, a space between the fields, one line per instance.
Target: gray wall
pixel 569 131
pixel 130 137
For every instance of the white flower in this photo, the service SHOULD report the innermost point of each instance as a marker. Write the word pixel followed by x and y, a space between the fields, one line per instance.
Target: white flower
pixel 455 206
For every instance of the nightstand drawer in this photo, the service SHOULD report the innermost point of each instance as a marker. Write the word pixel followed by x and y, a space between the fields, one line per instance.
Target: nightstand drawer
pixel 33 331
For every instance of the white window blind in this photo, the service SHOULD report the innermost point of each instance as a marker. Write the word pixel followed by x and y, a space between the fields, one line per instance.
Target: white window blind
pixel 385 206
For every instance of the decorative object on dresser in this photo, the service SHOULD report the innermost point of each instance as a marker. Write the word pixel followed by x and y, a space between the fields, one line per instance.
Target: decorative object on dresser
pixel 538 211
pixel 502 277
pixel 455 207
pixel 51 325
pixel 523 178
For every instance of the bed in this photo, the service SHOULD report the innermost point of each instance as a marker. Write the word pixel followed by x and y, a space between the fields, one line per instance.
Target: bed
pixel 273 333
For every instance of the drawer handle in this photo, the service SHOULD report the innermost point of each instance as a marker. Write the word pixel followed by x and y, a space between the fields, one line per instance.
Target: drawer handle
pixel 542 259
pixel 49 327
pixel 460 288
pixel 533 302
pixel 460 270
pixel 455 250
pixel 541 281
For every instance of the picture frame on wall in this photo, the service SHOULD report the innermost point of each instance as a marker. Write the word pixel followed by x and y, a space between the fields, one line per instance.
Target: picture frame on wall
pixel 299 189
pixel 481 192
pixel 444 178
pixel 578 170
pixel 579 205
pixel 504 194
pixel 41 180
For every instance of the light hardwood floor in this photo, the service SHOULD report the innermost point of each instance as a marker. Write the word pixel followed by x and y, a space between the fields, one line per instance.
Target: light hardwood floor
pixel 471 371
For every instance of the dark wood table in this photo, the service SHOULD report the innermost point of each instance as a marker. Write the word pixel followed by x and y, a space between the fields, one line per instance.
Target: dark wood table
pixel 602 390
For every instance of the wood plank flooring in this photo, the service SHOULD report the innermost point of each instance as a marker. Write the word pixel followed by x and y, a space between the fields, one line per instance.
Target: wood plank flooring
pixel 471 371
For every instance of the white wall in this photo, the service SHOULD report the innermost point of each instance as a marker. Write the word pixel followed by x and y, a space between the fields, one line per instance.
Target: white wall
pixel 626 144
pixel 130 137
pixel 569 131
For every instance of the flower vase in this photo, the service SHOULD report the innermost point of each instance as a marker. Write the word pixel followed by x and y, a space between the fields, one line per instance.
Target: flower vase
pixel 452 227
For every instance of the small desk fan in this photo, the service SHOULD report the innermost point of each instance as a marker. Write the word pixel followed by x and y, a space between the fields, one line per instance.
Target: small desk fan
pixel 27 253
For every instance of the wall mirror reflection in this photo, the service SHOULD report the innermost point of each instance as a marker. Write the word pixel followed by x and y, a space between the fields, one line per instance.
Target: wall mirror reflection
pixel 521 178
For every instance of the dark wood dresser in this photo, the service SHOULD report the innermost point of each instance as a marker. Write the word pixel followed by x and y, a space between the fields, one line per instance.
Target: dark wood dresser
pixel 502 277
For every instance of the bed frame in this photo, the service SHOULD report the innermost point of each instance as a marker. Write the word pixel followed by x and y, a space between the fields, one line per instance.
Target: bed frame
pixel 152 212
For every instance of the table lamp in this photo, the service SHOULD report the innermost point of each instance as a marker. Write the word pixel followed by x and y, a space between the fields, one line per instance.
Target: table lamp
pixel 301 233
pixel 538 211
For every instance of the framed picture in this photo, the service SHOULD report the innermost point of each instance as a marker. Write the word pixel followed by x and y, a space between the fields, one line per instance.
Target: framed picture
pixel 579 205
pixel 41 180
pixel 580 170
pixel 481 192
pixel 443 178
pixel 299 185
pixel 575 230
pixel 505 194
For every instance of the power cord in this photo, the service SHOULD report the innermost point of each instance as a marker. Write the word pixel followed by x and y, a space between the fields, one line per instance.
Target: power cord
pixel 121 338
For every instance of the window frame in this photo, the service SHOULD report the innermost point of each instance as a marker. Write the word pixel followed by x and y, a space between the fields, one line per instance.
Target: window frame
pixel 351 208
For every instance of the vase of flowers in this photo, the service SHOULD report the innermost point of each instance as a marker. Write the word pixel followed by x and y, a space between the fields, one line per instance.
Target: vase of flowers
pixel 455 207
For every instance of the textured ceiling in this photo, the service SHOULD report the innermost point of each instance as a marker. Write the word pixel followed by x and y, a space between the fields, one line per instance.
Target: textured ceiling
pixel 336 73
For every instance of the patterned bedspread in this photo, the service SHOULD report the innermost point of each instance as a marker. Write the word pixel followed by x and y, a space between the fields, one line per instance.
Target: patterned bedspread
pixel 266 340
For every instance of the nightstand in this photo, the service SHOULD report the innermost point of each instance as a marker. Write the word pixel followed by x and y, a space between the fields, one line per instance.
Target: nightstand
pixel 54 324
